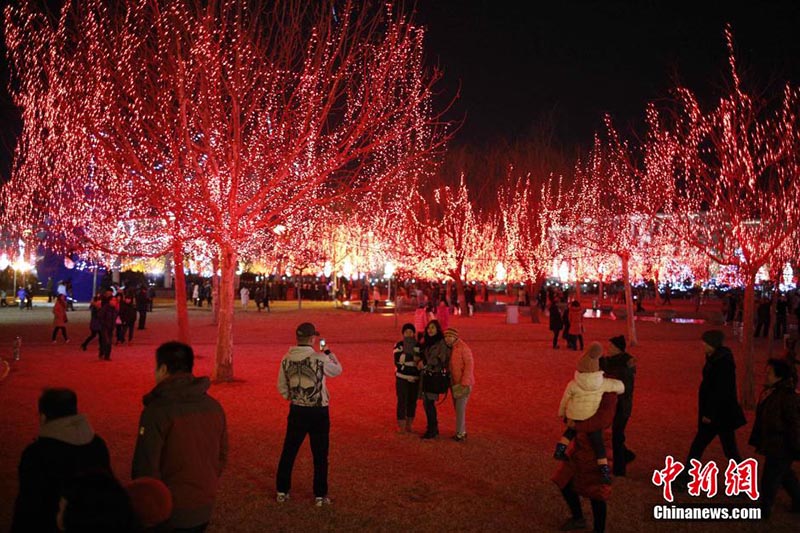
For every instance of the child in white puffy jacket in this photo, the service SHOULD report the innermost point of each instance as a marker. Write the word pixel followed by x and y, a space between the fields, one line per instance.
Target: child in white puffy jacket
pixel 581 400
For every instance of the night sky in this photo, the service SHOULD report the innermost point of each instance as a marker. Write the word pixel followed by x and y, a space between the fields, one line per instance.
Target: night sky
pixel 565 64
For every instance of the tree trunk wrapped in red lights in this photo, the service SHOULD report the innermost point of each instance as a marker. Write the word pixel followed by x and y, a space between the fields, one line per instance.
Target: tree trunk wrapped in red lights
pixel 609 210
pixel 737 186
pixel 230 115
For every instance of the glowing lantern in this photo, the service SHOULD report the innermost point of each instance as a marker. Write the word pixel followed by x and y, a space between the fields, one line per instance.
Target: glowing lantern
pixel 563 272
pixel 500 272
pixel 4 262
pixel 388 270
pixel 68 263
pixel 327 269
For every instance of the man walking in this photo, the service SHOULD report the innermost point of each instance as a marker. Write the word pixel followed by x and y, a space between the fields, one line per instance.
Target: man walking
pixel 67 447
pixel 183 438
pixel 301 380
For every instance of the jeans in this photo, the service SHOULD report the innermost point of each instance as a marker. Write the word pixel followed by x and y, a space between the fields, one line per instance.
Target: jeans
pixel 430 413
pixel 143 319
pixel 705 434
pixel 599 508
pixel 555 338
pixel 595 440
pixel 106 338
pixel 618 444
pixel 777 473
pixel 460 405
pixel 94 334
pixel 407 393
pixel 314 422
pixel 63 330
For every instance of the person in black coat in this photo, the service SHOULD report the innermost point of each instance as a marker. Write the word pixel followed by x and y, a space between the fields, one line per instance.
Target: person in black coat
pixel 776 435
pixel 66 448
pixel 556 324
pixel 762 318
pixel 143 301
pixel 620 365
pixel 719 412
pixel 127 316
pixel 107 316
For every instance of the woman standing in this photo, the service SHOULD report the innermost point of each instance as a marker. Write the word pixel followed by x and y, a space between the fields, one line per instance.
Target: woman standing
pixel 435 355
pixel 462 373
pixel 60 318
pixel 406 357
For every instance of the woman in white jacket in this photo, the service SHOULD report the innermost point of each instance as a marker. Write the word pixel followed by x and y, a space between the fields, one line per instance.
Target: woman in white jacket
pixel 580 402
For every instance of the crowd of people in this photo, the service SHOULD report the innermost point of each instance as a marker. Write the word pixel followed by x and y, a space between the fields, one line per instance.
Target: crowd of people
pixel 66 481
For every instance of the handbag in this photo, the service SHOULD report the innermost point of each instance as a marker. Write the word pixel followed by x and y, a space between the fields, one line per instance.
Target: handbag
pixel 435 381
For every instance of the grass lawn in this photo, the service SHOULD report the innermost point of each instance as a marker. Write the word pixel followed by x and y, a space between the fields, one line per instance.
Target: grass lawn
pixel 380 480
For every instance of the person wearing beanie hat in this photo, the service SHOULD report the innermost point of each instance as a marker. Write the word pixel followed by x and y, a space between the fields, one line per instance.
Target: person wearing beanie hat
pixel 620 365
pixel 719 412
pixel 581 400
pixel 151 501
pixel 406 359
pixel 462 374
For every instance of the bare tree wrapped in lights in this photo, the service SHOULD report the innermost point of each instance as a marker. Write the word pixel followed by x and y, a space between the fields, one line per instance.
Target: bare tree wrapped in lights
pixel 737 185
pixel 610 209
pixel 449 236
pixel 524 214
pixel 247 112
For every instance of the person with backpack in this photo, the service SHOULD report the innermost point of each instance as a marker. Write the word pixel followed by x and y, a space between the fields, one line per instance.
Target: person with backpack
pixel 776 436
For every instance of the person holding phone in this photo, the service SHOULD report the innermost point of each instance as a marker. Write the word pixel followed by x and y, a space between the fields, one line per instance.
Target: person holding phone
pixel 301 381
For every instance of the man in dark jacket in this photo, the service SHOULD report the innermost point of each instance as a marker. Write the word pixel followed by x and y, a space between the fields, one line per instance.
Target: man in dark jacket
pixel 776 435
pixel 107 316
pixel 66 448
pixel 620 365
pixel 142 306
pixel 183 438
pixel 719 412
pixel 556 323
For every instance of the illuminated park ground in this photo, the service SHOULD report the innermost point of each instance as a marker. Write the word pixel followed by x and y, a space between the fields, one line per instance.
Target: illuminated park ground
pixel 380 480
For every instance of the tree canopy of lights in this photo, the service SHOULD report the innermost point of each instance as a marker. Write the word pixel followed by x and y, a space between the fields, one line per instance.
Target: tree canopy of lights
pixel 609 210
pixel 215 120
pixel 736 184
pixel 446 237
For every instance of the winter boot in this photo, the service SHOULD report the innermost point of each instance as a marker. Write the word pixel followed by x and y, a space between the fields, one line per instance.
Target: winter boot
pixel 605 473
pixel 561 452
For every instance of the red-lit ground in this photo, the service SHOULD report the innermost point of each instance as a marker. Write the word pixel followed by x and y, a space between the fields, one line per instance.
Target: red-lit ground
pixel 380 481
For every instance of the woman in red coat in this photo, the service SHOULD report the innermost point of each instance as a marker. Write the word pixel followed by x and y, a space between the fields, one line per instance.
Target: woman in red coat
pixel 580 475
pixel 60 318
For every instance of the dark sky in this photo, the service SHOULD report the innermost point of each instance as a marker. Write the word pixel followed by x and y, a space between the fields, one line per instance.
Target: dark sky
pixel 567 63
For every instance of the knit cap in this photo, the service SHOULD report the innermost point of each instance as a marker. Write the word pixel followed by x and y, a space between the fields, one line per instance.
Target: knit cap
pixel 713 338
pixel 151 500
pixel 590 360
pixel 451 331
pixel 410 326
pixel 619 342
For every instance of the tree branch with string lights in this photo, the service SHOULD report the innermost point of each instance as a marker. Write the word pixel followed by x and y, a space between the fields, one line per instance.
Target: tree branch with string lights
pixel 247 112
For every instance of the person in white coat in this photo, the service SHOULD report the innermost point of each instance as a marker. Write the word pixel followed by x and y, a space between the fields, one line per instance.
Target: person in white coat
pixel 244 294
pixel 580 402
